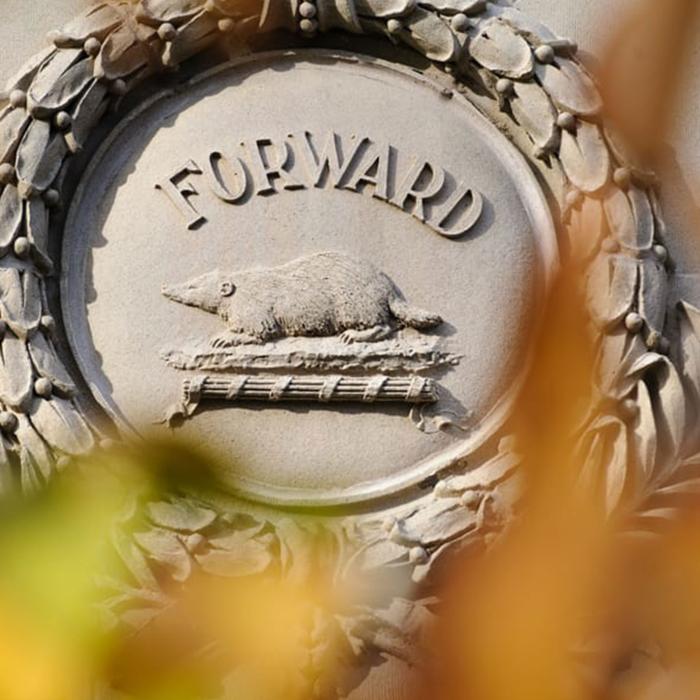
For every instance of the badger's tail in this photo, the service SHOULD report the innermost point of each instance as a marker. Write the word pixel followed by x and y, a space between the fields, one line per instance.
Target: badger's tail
pixel 412 316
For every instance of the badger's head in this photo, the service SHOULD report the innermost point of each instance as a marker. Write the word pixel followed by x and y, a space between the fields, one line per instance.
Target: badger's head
pixel 207 292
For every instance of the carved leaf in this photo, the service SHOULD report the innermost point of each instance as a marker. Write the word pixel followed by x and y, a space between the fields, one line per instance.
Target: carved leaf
pixel 452 6
pixel 611 288
pixel 32 149
pixel 671 413
pixel 66 88
pixel 49 74
pixel 276 15
pixel 690 359
pixel 62 426
pixel 40 173
pixel 534 111
pixel 338 14
pixel 616 466
pixel 585 158
pixel 175 12
pixel 570 87
pixel 441 520
pixel 194 36
pixel 20 300
pixel 387 8
pixel 165 548
pixel 498 48
pixel 35 456
pixel 122 54
pixel 38 229
pixel 98 21
pixel 631 218
pixel 16 378
pixel 7 480
pixel 48 365
pixel 430 35
pixel 381 554
pixel 247 558
pixel 13 124
pixel 22 79
pixel 11 217
pixel 645 435
pixel 618 352
pixel 488 475
pixel 87 113
pixel 588 226
pixel 669 405
pixel 654 293
pixel 533 31
pixel 181 514
pixel 134 560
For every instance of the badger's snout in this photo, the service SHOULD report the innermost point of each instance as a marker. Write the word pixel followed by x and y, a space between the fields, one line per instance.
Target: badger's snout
pixel 202 293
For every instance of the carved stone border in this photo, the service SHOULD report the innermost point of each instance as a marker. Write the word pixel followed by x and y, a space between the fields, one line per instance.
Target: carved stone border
pixel 523 78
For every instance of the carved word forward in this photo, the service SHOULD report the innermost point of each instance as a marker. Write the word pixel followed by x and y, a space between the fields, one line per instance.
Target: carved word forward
pixel 303 161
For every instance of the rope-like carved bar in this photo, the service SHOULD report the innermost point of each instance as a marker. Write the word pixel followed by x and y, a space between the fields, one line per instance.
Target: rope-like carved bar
pixel 416 390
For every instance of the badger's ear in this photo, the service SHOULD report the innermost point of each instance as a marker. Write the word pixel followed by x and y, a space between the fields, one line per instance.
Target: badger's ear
pixel 227 289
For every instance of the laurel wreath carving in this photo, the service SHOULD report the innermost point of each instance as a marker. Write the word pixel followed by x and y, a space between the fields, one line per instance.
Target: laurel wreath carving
pixel 518 73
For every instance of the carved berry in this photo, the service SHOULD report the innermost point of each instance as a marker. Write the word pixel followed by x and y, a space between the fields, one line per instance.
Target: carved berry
pixel 394 26
pixel 92 46
pixel 623 178
pixel 471 499
pixel 226 25
pixel 460 22
pixel 308 26
pixel 661 253
pixel 629 409
pixel 56 37
pixel 610 245
pixel 504 86
pixel 167 31
pixel 544 53
pixel 8 422
pixel 63 120
pixel 634 322
pixel 118 87
pixel 653 341
pixel 567 121
pixel 48 323
pixel 43 387
pixel 307 10
pixel 418 555
pixel 52 198
pixel 574 198
pixel 18 98
pixel 7 174
pixel 22 247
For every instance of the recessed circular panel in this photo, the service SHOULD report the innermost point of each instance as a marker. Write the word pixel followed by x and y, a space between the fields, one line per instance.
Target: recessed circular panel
pixel 322 268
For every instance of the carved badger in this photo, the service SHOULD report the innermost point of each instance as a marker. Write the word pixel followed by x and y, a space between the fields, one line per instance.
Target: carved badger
pixel 325 294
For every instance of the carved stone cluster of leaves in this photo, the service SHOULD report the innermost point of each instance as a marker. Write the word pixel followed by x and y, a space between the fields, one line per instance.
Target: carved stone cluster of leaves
pixel 530 80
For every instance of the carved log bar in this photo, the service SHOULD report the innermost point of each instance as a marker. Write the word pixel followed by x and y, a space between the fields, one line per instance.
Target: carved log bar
pixel 379 388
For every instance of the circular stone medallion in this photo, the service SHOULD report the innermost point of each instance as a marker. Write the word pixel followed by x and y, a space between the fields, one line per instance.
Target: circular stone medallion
pixel 322 268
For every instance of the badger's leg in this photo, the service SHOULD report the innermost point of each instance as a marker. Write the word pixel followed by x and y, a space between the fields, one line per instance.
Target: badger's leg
pixel 366 335
pixel 230 339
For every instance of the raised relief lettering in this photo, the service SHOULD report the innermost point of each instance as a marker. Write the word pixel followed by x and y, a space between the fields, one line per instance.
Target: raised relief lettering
pixel 373 170
pixel 269 166
pixel 270 160
pixel 460 213
pixel 228 178
pixel 328 164
pixel 179 190
pixel 422 183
